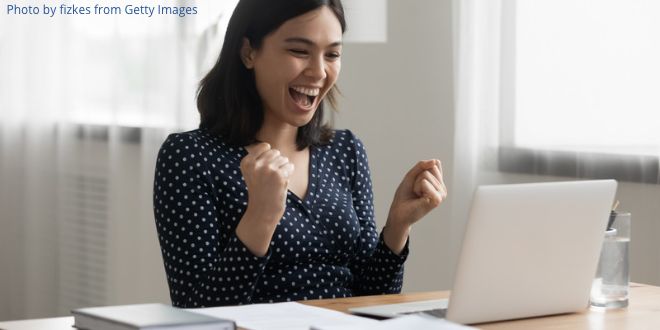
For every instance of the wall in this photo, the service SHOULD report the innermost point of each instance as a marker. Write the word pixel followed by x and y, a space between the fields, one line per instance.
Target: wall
pixel 398 98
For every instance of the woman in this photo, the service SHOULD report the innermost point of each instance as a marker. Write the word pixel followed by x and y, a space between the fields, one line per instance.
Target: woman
pixel 265 203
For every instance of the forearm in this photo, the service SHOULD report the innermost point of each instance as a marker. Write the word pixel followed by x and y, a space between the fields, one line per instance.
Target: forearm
pixel 395 236
pixel 255 233
pixel 380 272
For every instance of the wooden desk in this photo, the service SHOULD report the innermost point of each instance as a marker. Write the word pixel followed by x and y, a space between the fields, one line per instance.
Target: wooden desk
pixel 642 313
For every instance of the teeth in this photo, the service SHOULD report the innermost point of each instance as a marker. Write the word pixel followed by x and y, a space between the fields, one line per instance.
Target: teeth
pixel 307 91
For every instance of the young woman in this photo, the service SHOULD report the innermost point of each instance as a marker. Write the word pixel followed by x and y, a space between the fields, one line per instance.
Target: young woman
pixel 265 203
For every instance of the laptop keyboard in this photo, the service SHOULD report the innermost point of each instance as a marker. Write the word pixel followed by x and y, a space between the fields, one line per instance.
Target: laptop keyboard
pixel 438 312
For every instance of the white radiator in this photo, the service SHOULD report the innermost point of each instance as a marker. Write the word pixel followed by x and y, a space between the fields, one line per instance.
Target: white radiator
pixel 85 229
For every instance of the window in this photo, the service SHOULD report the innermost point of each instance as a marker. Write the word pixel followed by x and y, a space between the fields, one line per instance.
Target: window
pixel 140 71
pixel 580 87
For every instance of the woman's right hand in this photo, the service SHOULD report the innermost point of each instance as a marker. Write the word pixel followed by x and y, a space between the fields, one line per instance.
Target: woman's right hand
pixel 266 173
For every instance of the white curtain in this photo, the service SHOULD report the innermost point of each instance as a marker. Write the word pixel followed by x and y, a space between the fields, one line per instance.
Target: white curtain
pixel 85 102
pixel 549 103
pixel 582 99
pixel 477 30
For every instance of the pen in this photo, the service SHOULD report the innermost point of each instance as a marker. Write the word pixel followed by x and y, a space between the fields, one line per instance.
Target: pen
pixel 612 215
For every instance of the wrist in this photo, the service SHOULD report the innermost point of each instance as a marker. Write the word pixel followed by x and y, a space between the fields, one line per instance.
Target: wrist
pixel 396 236
pixel 396 223
pixel 397 230
pixel 255 233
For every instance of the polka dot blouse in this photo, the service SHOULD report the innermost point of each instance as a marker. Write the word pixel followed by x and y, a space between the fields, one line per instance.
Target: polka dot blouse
pixel 325 245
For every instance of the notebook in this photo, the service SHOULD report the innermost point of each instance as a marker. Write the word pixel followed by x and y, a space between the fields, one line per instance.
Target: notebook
pixel 528 250
pixel 146 316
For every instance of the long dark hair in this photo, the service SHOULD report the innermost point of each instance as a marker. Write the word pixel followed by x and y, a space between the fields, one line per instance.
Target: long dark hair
pixel 227 99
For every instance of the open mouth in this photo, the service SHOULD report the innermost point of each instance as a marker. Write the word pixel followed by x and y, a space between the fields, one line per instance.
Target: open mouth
pixel 303 96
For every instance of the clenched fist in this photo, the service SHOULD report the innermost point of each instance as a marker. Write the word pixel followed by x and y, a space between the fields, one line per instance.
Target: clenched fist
pixel 266 173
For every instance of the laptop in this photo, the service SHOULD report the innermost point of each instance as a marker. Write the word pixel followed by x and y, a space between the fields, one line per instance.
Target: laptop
pixel 529 250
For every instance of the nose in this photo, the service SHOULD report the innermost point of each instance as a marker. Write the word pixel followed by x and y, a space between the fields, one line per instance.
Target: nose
pixel 316 68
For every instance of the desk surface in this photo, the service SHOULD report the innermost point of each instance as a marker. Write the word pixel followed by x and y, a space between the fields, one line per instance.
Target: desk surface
pixel 642 313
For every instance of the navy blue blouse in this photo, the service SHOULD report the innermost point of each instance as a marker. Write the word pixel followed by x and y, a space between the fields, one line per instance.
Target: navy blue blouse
pixel 325 245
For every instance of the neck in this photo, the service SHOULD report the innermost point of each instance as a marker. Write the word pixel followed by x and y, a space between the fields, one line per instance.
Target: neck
pixel 281 136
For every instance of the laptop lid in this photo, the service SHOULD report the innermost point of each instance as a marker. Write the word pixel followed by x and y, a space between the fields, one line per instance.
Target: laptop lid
pixel 530 250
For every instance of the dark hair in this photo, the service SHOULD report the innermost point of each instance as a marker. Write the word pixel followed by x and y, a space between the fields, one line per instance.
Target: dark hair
pixel 227 99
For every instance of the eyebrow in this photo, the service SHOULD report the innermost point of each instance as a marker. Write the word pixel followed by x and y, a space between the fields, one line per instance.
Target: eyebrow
pixel 309 42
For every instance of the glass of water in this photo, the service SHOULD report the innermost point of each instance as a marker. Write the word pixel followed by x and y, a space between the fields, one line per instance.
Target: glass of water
pixel 610 287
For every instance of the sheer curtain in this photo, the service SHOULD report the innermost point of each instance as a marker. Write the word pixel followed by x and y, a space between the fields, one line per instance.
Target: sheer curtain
pixel 581 98
pixel 85 103
pixel 477 60
pixel 572 100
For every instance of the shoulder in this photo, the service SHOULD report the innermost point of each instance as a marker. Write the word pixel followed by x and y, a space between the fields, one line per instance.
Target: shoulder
pixel 195 139
pixel 347 140
pixel 197 151
pixel 348 145
pixel 179 150
pixel 347 149
pixel 349 153
pixel 199 143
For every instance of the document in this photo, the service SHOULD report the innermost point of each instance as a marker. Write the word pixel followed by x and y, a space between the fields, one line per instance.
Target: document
pixel 288 315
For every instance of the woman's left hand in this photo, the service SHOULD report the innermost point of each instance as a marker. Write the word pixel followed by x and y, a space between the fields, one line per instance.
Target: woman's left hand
pixel 421 190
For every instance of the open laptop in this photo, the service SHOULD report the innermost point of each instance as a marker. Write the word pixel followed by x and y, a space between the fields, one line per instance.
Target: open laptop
pixel 529 250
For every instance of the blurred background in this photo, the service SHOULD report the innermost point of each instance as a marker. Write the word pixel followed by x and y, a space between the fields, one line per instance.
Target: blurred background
pixel 501 91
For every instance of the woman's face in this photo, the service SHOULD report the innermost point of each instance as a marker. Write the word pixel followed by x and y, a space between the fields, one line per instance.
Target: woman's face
pixel 296 66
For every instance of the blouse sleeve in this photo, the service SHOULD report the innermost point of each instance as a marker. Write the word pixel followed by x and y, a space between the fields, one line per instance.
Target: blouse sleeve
pixel 205 263
pixel 376 269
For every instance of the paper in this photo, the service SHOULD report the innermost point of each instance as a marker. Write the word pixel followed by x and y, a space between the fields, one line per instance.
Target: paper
pixel 288 315
pixel 417 321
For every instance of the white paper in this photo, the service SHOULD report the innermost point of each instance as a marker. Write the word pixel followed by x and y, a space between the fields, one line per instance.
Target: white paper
pixel 404 322
pixel 288 315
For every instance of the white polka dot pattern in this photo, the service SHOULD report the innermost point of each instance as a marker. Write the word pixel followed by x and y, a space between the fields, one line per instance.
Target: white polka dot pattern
pixel 325 245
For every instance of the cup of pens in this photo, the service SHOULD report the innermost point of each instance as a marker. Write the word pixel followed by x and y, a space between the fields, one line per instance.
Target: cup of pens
pixel 610 286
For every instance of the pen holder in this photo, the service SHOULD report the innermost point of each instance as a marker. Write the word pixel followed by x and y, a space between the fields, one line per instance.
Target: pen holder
pixel 610 287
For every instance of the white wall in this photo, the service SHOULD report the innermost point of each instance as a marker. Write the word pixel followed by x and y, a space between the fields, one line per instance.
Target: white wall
pixel 398 99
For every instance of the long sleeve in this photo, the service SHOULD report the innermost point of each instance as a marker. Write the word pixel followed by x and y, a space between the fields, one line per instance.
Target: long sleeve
pixel 325 245
pixel 205 263
pixel 376 269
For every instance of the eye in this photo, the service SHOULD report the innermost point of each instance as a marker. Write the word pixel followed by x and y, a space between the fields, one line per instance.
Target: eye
pixel 333 55
pixel 298 52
